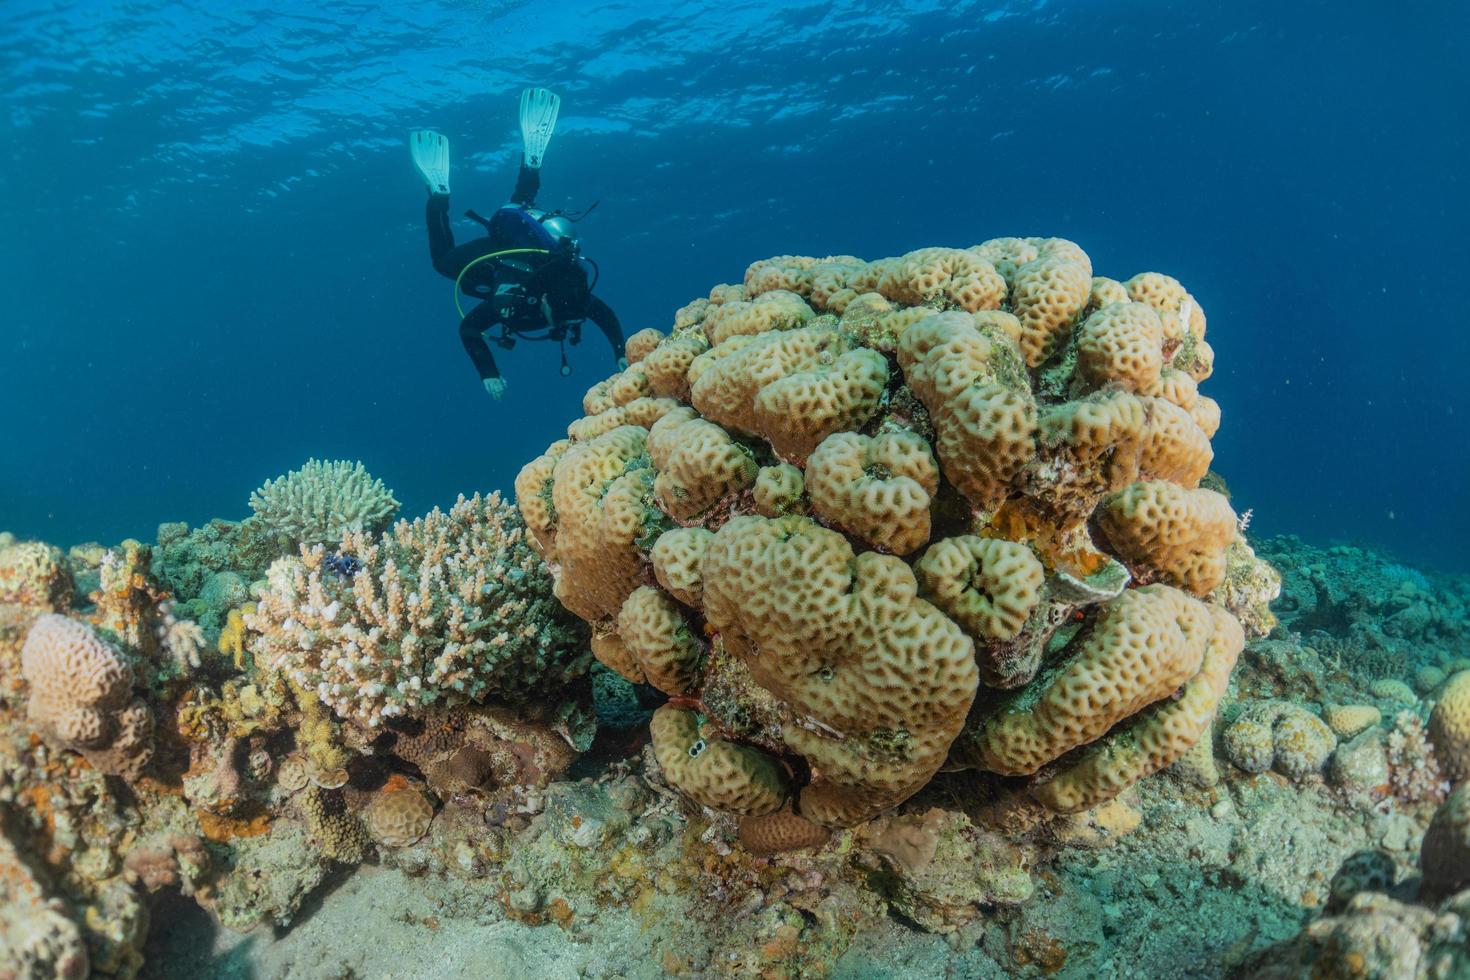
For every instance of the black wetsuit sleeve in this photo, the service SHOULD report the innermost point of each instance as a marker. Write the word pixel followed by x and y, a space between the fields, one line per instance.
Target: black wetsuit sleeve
pixel 528 182
pixel 607 321
pixel 472 335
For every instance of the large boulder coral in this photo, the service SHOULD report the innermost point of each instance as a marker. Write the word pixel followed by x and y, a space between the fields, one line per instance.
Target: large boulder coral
pixel 861 520
pixel 442 610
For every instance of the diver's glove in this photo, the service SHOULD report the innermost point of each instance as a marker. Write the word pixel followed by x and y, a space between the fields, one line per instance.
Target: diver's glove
pixel 495 388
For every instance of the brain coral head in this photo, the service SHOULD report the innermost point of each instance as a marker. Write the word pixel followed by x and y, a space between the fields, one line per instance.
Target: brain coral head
pixel 398 817
pixel 834 495
pixel 81 696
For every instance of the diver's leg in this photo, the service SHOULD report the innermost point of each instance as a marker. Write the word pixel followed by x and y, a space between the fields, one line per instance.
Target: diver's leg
pixel 479 281
pixel 528 182
pixel 607 321
pixel 441 234
pixel 472 335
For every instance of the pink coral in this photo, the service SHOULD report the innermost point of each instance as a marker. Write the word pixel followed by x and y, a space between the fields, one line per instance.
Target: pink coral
pixel 81 692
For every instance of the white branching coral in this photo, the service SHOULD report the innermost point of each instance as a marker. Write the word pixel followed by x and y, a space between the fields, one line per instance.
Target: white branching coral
pixel 322 501
pixel 441 610
pixel 180 640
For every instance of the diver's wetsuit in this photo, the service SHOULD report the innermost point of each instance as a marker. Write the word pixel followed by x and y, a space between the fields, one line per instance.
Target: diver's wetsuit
pixel 557 277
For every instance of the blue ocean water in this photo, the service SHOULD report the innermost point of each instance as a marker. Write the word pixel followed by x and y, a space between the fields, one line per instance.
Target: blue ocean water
pixel 212 259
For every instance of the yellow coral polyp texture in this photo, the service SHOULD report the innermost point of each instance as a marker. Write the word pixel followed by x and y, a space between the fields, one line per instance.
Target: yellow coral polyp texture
pixel 860 481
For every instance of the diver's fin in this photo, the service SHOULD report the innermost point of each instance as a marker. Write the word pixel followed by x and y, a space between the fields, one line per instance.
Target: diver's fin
pixel 431 156
pixel 538 118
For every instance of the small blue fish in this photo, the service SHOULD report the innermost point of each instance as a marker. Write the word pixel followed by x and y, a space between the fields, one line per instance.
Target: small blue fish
pixel 343 566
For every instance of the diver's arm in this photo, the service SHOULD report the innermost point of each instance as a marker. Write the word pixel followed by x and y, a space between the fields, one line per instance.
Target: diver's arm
pixel 472 335
pixel 607 321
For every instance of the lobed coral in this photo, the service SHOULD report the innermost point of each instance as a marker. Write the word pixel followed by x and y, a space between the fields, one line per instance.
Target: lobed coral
pixel 444 609
pixel 1147 645
pixel 1279 735
pixel 322 502
pixel 851 490
pixel 1449 726
pixel 1164 532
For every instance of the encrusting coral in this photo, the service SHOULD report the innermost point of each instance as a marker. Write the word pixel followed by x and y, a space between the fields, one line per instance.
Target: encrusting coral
pixel 835 498
pixel 447 608
pixel 322 502
pixel 36 938
pixel 33 573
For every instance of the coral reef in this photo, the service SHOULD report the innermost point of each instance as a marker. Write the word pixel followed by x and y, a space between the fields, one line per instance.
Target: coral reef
pixel 244 788
pixel 837 497
pixel 900 579
pixel 1380 618
pixel 260 795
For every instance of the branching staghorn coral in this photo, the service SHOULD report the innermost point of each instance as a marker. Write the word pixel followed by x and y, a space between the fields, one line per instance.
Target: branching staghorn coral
pixel 441 610
pixel 323 501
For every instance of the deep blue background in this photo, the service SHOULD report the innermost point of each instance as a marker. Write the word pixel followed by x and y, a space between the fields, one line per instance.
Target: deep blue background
pixel 212 262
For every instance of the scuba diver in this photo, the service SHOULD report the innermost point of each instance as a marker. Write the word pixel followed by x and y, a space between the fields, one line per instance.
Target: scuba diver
pixel 527 270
